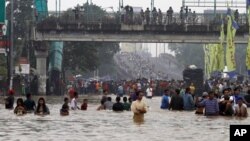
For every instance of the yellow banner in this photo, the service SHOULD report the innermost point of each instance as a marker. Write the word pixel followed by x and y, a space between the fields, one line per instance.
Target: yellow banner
pixel 230 50
pixel 248 47
pixel 220 54
pixel 207 60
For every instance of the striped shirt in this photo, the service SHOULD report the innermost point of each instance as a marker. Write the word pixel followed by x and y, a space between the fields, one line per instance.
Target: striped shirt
pixel 211 106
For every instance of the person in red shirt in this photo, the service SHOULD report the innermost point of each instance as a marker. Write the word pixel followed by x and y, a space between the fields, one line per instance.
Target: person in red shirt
pixel 84 104
pixel 71 92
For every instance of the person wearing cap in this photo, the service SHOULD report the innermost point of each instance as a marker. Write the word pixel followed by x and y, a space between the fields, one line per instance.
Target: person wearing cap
pixel 241 108
pixel 200 109
pixel 211 105
pixel 9 101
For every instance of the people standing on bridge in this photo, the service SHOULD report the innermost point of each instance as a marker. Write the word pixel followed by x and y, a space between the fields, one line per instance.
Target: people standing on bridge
pixel 186 13
pixel 142 16
pixel 182 15
pixel 131 17
pixel 155 14
pixel 123 15
pixel 170 15
pixel 159 16
pixel 77 12
pixel 236 15
pixel 194 17
pixel 126 18
pixel 147 15
pixel 190 16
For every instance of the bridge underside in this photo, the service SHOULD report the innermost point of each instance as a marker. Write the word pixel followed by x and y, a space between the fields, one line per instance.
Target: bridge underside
pixel 135 33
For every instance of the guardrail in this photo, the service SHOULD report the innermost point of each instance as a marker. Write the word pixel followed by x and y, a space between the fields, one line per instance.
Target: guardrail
pixel 137 18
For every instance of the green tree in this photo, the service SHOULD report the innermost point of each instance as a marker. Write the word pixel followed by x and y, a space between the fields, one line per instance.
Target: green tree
pixel 88 56
pixel 23 18
pixel 189 54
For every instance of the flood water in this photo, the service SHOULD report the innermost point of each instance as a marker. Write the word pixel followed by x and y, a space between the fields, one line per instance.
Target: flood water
pixel 92 125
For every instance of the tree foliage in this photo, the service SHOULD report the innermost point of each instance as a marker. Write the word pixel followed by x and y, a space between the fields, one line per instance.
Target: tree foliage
pixel 188 54
pixel 88 56
pixel 23 18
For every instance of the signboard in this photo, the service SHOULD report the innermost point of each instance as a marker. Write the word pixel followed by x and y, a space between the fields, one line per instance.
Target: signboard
pixel 22 69
pixel 2 11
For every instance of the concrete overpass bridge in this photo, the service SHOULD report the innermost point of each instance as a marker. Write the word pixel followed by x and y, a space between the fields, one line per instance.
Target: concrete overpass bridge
pixel 110 27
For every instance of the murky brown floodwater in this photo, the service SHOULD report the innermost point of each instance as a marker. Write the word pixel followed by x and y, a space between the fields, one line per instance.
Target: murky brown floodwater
pixel 92 125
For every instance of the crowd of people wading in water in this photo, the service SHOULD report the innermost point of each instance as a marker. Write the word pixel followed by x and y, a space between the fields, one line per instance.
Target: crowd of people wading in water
pixel 221 97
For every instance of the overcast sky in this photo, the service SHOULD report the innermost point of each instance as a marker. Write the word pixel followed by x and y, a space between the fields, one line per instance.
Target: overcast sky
pixel 162 4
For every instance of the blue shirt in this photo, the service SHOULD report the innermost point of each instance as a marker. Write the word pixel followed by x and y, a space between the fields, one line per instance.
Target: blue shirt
pixel 211 106
pixel 165 102
pixel 188 102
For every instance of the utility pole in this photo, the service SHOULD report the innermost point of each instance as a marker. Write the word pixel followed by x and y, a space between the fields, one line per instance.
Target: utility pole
pixel 59 8
pixel 56 8
pixel 156 50
pixel 11 43
pixel 164 48
pixel 152 4
pixel 214 8
pixel 120 5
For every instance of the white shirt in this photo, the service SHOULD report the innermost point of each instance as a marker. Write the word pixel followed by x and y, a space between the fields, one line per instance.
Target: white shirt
pixel 73 104
pixel 149 92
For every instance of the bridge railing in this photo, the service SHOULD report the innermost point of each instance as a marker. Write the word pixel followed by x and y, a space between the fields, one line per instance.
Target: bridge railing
pixel 137 19
pixel 198 23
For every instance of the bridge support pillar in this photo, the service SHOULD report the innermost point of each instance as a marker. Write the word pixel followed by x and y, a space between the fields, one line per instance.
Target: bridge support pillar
pixel 41 53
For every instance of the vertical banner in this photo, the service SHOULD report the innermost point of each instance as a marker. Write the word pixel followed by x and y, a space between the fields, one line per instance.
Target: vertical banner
pixel 2 11
pixel 248 46
pixel 220 54
pixel 206 60
pixel 230 50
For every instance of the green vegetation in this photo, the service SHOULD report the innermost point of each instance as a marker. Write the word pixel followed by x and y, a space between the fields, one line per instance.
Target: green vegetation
pixel 189 54
pixel 88 56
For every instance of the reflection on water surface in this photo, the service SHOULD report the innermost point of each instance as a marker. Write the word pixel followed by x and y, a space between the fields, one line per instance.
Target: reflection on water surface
pixel 92 125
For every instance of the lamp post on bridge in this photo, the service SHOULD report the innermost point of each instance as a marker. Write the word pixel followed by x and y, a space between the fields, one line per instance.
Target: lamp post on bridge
pixel 58 8
pixel 11 43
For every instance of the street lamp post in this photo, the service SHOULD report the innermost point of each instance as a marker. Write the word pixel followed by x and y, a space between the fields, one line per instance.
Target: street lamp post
pixel 11 44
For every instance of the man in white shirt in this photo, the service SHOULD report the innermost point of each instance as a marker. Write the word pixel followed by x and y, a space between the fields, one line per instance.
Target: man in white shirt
pixel 73 103
pixel 149 92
